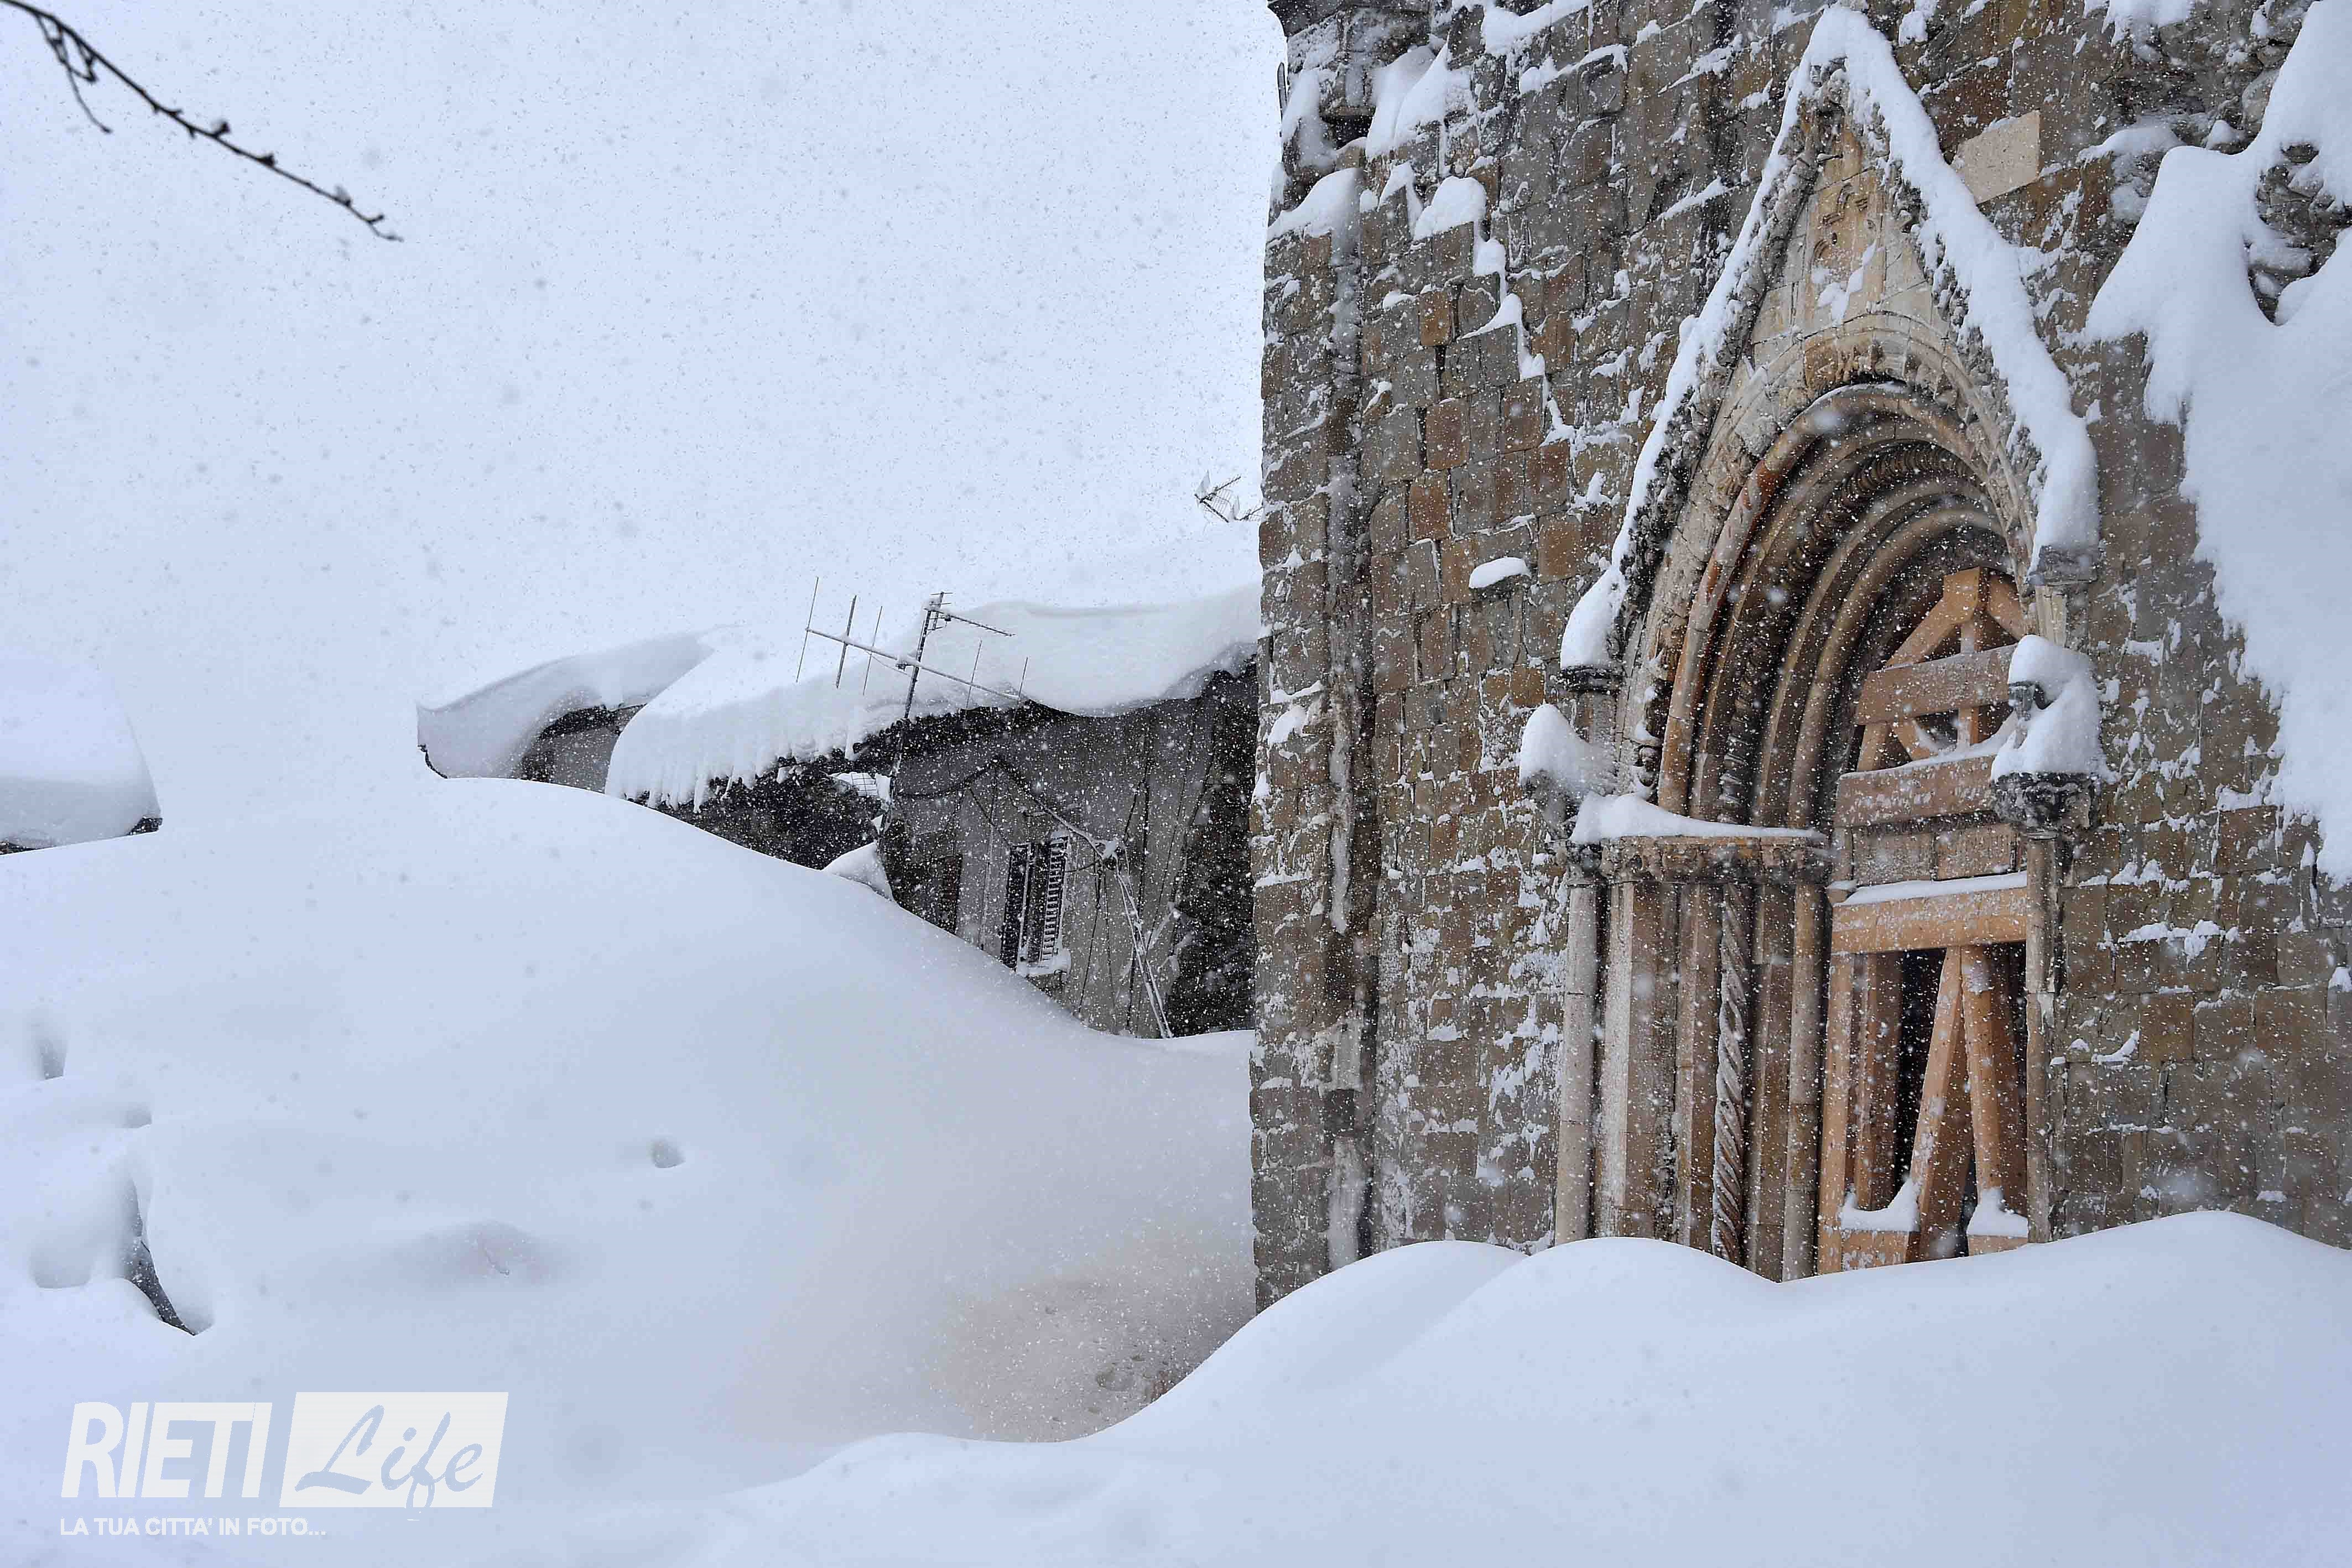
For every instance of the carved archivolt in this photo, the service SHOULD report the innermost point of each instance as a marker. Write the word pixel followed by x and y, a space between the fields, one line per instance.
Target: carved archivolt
pixel 1779 556
pixel 1840 191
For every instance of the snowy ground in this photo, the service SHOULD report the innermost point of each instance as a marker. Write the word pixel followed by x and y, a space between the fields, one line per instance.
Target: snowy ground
pixel 713 1162
pixel 725 1170
pixel 2178 1392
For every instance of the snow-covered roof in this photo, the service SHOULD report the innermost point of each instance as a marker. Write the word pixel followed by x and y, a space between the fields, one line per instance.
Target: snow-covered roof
pixel 740 711
pixel 71 768
pixel 482 734
pixel 732 703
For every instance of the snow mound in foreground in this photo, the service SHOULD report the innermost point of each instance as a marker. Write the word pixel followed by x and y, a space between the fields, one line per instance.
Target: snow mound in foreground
pixel 712 1162
pixel 2178 1392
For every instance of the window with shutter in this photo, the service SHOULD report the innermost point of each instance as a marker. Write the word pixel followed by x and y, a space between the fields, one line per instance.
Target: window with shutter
pixel 1019 871
pixel 1054 879
pixel 1036 876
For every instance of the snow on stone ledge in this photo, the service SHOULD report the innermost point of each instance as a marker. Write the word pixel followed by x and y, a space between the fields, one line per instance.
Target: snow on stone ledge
pixel 1455 202
pixel 1608 817
pixel 740 712
pixel 71 768
pixel 1505 32
pixel 1551 754
pixel 482 734
pixel 2264 408
pixel 1956 241
pixel 1502 569
pixel 1330 207
pixel 1418 89
pixel 2140 18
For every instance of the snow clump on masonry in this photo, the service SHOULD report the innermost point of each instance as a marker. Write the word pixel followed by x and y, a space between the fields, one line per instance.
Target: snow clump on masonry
pixel 2063 738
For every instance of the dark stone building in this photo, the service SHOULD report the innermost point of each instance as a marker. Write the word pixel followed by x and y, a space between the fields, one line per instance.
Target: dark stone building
pixel 1092 835
pixel 1105 858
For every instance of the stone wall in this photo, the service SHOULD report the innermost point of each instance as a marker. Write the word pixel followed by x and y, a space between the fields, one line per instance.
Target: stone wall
pixel 2204 1040
pixel 1411 909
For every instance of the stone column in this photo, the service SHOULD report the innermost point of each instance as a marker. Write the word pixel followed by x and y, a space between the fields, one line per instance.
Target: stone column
pixel 1800 1189
pixel 1634 1164
pixel 1580 999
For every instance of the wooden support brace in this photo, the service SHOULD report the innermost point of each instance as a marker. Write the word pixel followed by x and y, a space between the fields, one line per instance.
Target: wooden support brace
pixel 1955 788
pixel 1932 920
pixel 1939 1151
pixel 1996 1092
pixel 1941 623
pixel 2000 602
pixel 1878 1057
pixel 1937 686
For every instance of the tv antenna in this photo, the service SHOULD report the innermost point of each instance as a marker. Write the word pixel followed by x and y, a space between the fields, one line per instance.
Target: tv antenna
pixel 936 614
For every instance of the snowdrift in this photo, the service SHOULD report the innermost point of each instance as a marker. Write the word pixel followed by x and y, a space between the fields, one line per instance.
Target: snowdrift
pixel 712 1162
pixel 2178 1392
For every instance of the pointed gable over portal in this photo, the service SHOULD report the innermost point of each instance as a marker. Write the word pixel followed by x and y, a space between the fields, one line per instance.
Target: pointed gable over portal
pixel 1862 257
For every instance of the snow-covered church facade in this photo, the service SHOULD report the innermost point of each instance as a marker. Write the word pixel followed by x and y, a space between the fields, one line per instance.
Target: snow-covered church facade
pixel 1801 668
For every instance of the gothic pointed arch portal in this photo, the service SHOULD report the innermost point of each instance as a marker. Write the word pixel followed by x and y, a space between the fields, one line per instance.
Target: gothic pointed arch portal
pixel 1809 1037
pixel 1827 656
pixel 1797 1030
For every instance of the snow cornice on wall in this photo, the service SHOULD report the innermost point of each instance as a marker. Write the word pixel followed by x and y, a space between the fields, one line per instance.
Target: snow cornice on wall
pixel 2263 404
pixel 1979 286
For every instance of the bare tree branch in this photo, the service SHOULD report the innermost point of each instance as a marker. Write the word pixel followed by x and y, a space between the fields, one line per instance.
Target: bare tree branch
pixel 1223 502
pixel 83 65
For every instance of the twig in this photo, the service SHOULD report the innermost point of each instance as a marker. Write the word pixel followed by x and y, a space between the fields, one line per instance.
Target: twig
pixel 82 63
pixel 1220 502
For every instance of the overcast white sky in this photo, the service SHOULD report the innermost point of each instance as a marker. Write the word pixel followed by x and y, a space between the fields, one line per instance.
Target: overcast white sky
pixel 697 302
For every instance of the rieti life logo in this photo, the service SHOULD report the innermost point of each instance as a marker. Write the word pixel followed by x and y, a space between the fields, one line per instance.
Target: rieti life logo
pixel 342 1451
